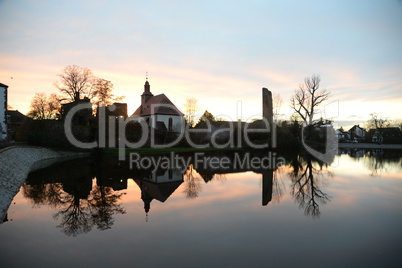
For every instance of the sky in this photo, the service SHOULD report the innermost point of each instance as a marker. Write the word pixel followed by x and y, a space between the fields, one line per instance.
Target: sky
pixel 220 52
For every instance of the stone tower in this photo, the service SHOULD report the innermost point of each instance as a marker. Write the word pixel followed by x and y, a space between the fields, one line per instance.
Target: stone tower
pixel 267 111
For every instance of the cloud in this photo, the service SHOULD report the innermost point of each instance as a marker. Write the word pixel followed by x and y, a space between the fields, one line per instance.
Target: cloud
pixel 218 52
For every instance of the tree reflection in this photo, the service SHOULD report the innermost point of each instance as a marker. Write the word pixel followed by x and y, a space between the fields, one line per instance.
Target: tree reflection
pixel 75 218
pixel 104 201
pixel 277 186
pixel 81 207
pixel 192 185
pixel 379 161
pixel 41 194
pixel 307 181
pixel 98 209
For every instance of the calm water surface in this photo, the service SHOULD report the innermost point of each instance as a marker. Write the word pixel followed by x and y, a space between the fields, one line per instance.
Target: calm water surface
pixel 100 213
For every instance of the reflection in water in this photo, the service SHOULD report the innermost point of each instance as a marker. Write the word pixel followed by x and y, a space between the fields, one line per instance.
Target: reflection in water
pixel 378 161
pixel 158 185
pixel 307 181
pixel 267 178
pixel 192 186
pixel 278 185
pixel 86 193
pixel 80 205
pixel 78 213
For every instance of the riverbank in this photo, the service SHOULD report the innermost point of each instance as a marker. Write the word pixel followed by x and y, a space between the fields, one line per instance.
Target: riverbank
pixel 369 146
pixel 15 164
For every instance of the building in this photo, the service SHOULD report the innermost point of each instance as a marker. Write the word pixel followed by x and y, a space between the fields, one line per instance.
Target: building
pixel 14 121
pixel 342 135
pixel 81 117
pixel 117 110
pixel 3 112
pixel 385 135
pixel 357 133
pixel 159 112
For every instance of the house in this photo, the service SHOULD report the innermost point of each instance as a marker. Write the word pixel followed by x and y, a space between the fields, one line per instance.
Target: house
pixel 357 133
pixel 385 135
pixel 83 116
pixel 342 135
pixel 159 112
pixel 117 110
pixel 14 121
pixel 3 112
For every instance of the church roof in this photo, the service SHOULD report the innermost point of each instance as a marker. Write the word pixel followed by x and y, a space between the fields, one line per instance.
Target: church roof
pixel 158 191
pixel 159 104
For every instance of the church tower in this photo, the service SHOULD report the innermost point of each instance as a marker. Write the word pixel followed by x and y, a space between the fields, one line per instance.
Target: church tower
pixel 147 93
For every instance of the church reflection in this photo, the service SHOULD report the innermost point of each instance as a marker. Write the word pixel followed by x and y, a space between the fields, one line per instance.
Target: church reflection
pixel 158 185
pixel 88 192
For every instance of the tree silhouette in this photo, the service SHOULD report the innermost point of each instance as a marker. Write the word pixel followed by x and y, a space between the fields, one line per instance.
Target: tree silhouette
pixel 78 212
pixel 75 81
pixel 306 99
pixel 104 204
pixel 45 107
pixel 75 218
pixel 192 186
pixel 102 93
pixel 51 194
pixel 207 116
pixel 277 102
pixel 306 183
pixel 190 108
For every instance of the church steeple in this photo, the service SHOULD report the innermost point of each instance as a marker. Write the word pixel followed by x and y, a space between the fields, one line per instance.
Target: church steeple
pixel 147 92
pixel 147 200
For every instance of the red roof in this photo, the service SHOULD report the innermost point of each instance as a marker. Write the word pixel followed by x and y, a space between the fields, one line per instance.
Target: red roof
pixel 159 104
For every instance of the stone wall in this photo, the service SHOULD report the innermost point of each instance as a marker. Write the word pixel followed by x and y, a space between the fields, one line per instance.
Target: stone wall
pixel 15 164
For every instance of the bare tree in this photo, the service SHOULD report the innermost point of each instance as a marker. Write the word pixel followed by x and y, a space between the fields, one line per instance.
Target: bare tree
pixel 54 106
pixel 397 123
pixel 306 99
pixel 45 107
pixel 377 121
pixel 277 105
pixel 190 108
pixel 38 106
pixel 75 81
pixel 102 93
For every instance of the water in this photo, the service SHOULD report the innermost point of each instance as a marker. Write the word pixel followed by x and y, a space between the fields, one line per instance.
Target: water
pixel 99 213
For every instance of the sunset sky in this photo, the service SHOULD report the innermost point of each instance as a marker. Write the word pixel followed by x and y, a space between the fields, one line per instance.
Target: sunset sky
pixel 219 52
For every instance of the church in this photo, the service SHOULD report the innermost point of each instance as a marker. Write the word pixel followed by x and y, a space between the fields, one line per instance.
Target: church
pixel 158 111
